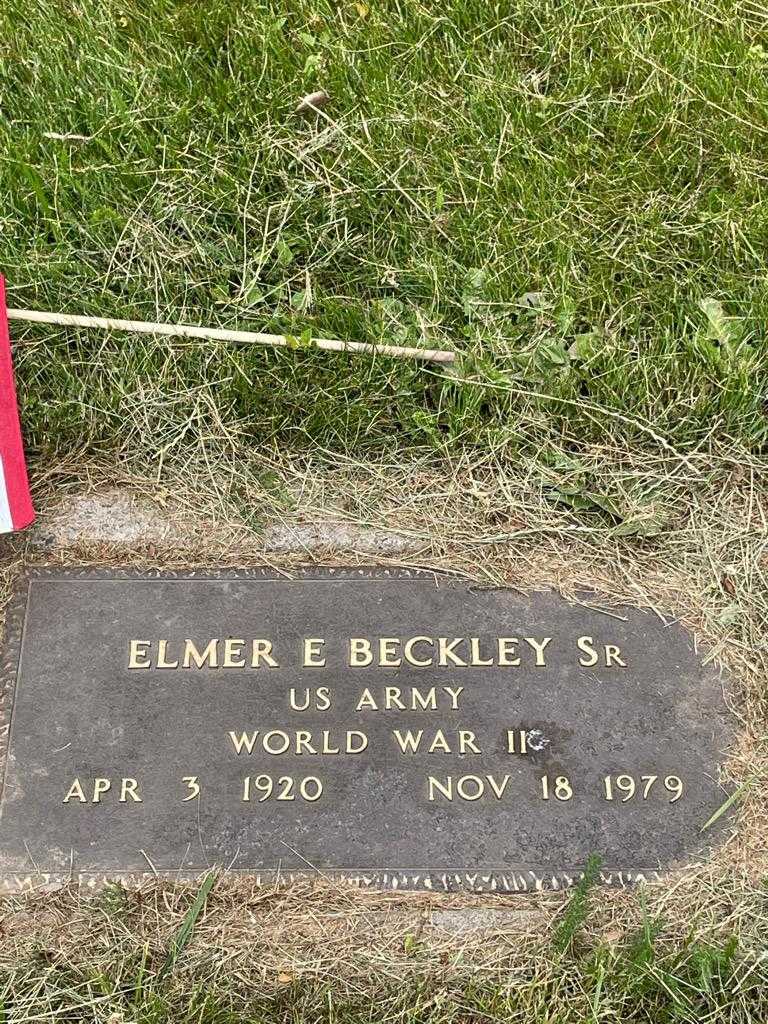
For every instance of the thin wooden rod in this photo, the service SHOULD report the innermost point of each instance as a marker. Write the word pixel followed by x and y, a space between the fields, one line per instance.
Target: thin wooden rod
pixel 218 334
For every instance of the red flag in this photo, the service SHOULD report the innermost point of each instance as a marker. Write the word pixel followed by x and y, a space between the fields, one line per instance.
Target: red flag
pixel 16 510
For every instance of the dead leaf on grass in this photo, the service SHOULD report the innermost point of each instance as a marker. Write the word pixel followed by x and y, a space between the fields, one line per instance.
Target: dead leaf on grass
pixel 313 102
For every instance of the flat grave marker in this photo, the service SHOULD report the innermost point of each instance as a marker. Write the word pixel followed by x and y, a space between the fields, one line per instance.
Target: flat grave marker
pixel 392 728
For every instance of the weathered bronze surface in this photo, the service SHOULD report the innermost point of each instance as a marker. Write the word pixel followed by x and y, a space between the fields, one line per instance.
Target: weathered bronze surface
pixel 397 729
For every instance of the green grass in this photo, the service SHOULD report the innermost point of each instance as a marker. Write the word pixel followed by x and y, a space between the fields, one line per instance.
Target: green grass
pixel 225 953
pixel 639 980
pixel 606 159
pixel 705 984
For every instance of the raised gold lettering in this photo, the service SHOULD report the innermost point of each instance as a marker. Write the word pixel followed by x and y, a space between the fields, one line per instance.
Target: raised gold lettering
pixel 310 788
pixel 261 650
pixel 408 741
pixel 445 651
pixel 313 654
pixel 613 653
pixel 388 647
pixel 474 653
pixel 392 698
pixel 522 745
pixel 327 748
pixel 539 648
pixel 233 650
pixel 129 788
pixel 137 654
pixel 367 700
pixel 193 786
pixel 209 655
pixel 244 741
pixel 439 743
pixel 303 743
pixel 162 660
pixel 428 703
pixel 477 782
pixel 75 791
pixel 498 790
pixel 584 643
pixel 359 652
pixel 507 646
pixel 283 741
pixel 292 699
pixel 408 651
pixel 453 693
pixel 100 787
pixel 362 741
pixel 468 787
pixel 446 790
pixel 468 742
pixel 322 699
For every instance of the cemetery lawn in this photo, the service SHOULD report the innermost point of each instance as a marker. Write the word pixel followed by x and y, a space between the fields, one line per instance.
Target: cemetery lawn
pixel 568 193
pixel 125 957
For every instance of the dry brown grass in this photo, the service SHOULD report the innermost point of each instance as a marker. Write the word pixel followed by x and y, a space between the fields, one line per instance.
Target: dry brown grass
pixel 707 568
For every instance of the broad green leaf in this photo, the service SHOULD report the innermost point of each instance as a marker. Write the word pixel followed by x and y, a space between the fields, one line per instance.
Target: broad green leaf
pixel 720 328
pixel 639 528
pixel 586 346
pixel 300 300
pixel 551 352
pixel 585 501
pixel 254 294
pixel 565 315
pixel 474 281
pixel 284 253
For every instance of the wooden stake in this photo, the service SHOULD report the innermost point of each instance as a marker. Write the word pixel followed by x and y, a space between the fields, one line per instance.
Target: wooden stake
pixel 219 334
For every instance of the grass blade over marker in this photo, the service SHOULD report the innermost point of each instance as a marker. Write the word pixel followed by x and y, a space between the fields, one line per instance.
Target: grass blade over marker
pixel 736 795
pixel 184 933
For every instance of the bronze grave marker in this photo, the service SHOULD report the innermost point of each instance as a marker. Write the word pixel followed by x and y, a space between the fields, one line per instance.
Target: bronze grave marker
pixel 395 729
